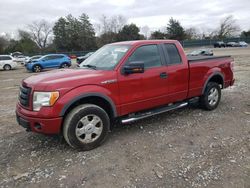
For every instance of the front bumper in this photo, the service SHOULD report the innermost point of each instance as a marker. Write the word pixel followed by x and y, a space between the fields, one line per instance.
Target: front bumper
pixel 39 125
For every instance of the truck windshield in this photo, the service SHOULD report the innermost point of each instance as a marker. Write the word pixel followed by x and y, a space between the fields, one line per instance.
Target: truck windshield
pixel 106 58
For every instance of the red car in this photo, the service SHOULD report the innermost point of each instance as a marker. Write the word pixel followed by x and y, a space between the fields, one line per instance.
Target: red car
pixel 123 81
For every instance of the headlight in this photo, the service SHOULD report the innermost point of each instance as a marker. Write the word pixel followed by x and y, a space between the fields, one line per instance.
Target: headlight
pixel 44 99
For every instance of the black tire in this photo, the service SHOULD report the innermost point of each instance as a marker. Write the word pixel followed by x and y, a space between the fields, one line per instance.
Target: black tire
pixel 7 67
pixel 74 119
pixel 64 65
pixel 210 104
pixel 37 68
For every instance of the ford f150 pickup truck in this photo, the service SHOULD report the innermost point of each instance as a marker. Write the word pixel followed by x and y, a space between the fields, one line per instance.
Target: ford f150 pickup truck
pixel 123 81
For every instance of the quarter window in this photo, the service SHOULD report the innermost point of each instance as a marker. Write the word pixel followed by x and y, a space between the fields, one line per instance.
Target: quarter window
pixel 148 54
pixel 173 54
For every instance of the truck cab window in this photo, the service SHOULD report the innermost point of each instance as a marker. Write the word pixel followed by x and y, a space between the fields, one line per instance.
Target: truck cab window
pixel 173 54
pixel 148 54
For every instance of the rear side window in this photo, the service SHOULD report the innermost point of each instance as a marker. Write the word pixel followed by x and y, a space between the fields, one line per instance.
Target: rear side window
pixel 173 54
pixel 58 56
pixel 149 54
pixel 5 58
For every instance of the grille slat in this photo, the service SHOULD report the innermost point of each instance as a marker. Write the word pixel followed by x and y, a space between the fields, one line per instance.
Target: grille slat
pixel 24 96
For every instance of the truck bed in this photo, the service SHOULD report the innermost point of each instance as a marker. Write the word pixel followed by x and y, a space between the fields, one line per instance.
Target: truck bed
pixel 192 59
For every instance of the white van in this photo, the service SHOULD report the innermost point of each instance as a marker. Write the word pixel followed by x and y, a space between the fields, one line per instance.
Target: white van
pixel 6 62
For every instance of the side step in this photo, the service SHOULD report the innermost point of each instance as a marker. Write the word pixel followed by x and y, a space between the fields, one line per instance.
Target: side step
pixel 153 112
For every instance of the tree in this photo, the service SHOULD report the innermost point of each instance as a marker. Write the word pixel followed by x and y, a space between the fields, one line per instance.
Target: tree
pixel 41 33
pixel 145 30
pixel 191 33
pixel 108 29
pixel 175 30
pixel 3 44
pixel 71 33
pixel 158 35
pixel 87 33
pixel 129 32
pixel 245 34
pixel 61 40
pixel 227 28
pixel 25 44
pixel 113 24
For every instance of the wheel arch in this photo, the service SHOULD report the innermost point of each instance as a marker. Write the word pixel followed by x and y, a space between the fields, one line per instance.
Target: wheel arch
pixel 216 77
pixel 7 65
pixel 98 99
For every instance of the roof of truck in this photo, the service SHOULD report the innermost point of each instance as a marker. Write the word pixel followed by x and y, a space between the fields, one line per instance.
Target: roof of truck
pixel 135 42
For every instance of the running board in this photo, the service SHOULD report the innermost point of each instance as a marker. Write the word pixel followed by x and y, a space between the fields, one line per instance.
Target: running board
pixel 153 112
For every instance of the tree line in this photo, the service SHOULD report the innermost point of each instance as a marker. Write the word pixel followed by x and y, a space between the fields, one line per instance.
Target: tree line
pixel 79 34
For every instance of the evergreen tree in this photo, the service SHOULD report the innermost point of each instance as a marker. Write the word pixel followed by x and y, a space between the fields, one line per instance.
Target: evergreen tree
pixel 175 30
pixel 129 32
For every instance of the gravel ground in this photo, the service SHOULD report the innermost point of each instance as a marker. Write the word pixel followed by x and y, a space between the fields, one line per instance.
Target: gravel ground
pixel 188 147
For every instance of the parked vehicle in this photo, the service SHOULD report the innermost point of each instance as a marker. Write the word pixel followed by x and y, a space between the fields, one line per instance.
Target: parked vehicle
pixel 20 59
pixel 124 81
pixel 232 44
pixel 36 57
pixel 242 44
pixel 201 52
pixel 219 44
pixel 49 61
pixel 15 54
pixel 82 58
pixel 7 63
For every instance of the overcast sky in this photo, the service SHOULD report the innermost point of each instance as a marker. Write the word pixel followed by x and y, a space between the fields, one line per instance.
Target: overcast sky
pixel 203 14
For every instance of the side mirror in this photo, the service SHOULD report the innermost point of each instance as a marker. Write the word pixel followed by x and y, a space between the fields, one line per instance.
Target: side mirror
pixel 134 67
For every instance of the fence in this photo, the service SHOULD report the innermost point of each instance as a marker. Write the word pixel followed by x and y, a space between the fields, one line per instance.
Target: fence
pixel 210 42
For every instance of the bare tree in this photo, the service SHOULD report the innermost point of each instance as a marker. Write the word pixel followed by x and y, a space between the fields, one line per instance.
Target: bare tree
pixel 228 27
pixel 145 31
pixel 192 33
pixel 110 25
pixel 41 33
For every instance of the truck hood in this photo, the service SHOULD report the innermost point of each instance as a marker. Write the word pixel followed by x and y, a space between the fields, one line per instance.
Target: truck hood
pixel 67 79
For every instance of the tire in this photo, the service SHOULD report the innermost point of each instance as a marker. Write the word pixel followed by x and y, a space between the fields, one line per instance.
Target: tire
pixel 64 65
pixel 211 97
pixel 37 68
pixel 80 133
pixel 7 67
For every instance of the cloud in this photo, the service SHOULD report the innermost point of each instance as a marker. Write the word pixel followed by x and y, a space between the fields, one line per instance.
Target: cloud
pixel 16 14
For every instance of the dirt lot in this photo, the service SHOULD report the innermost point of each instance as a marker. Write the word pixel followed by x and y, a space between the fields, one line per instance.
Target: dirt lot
pixel 183 148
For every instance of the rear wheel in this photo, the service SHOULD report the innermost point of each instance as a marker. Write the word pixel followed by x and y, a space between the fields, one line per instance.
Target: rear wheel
pixel 7 67
pixel 64 65
pixel 37 68
pixel 211 97
pixel 86 127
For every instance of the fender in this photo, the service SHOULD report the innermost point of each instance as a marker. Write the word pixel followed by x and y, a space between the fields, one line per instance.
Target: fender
pixel 213 74
pixel 80 93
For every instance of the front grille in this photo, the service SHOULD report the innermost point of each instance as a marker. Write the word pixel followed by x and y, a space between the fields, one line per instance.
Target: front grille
pixel 24 96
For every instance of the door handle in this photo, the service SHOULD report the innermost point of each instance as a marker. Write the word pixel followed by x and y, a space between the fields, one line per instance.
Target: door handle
pixel 163 75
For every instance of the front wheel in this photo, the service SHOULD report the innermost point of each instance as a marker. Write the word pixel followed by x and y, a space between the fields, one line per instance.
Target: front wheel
pixel 211 97
pixel 37 68
pixel 7 67
pixel 86 127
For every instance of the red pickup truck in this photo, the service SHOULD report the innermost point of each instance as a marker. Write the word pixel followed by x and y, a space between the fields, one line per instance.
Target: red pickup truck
pixel 123 81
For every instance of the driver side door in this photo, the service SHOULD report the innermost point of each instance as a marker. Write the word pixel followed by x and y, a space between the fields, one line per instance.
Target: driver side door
pixel 140 91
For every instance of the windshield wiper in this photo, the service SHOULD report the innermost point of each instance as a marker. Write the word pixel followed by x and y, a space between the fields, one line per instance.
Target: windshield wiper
pixel 90 66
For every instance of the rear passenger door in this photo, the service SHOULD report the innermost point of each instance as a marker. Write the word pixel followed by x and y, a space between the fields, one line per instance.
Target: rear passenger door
pixel 178 73
pixel 51 61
